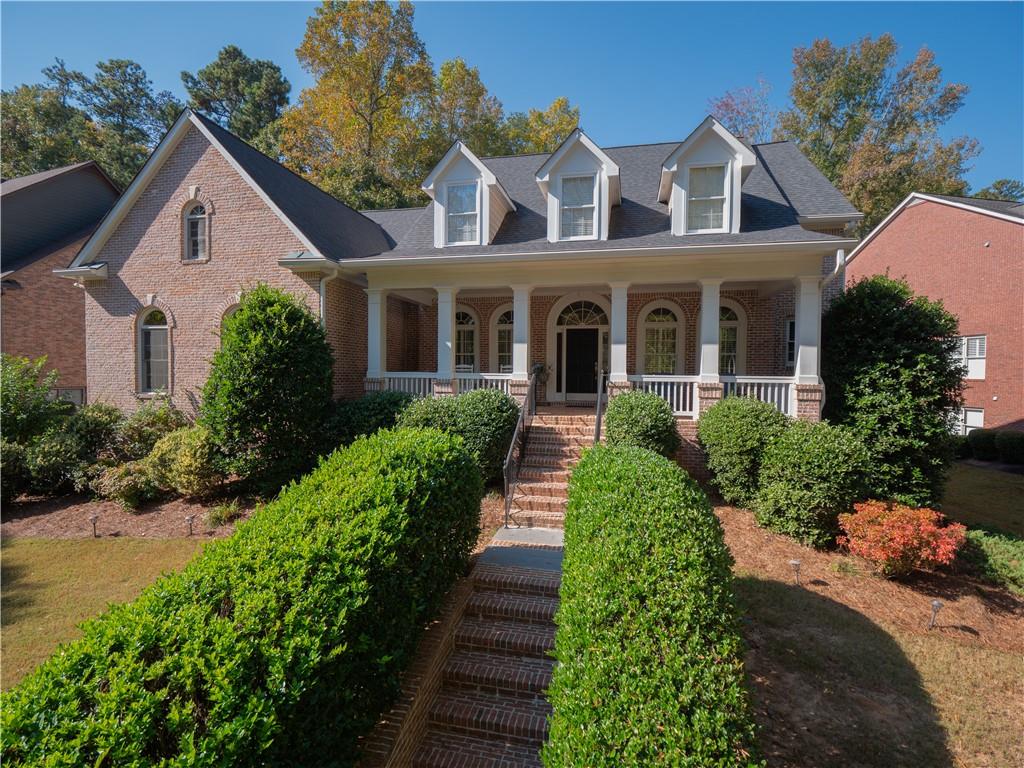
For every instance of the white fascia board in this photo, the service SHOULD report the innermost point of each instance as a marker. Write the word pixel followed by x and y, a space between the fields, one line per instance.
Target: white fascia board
pixel 671 165
pixel 304 262
pixel 611 169
pixel 458 149
pixel 829 218
pixel 93 271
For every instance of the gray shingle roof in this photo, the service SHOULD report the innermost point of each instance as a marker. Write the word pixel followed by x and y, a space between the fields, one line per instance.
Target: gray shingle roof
pixel 782 186
pixel 336 230
pixel 1009 207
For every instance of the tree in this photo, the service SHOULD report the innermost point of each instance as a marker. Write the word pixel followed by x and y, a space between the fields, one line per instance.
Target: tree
pixel 890 362
pixel 269 388
pixel 39 130
pixel 1003 189
pixel 872 128
pixel 543 130
pixel 120 97
pixel 460 108
pixel 244 95
pixel 746 111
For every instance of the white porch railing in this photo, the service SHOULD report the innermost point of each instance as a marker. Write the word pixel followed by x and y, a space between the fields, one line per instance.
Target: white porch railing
pixel 471 381
pixel 680 392
pixel 420 384
pixel 777 390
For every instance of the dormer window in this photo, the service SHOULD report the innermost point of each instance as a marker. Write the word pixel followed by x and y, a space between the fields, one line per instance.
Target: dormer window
pixel 579 208
pixel 463 214
pixel 705 204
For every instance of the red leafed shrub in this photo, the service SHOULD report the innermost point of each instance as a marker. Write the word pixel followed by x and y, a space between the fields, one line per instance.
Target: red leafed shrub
pixel 899 539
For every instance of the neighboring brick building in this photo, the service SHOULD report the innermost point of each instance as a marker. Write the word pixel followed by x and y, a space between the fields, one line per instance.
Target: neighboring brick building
pixel 46 217
pixel 969 253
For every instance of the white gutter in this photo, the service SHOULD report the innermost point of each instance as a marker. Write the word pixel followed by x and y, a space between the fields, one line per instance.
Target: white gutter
pixel 96 270
pixel 837 270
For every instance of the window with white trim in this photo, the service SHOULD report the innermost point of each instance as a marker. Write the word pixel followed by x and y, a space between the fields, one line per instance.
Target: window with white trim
pixel 195 233
pixel 465 342
pixel 504 341
pixel 973 350
pixel 661 333
pixel 461 207
pixel 728 340
pixel 154 357
pixel 579 207
pixel 705 199
pixel 791 341
pixel 969 419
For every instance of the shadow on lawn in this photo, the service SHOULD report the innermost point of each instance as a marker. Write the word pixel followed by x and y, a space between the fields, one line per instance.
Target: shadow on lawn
pixel 17 595
pixel 832 688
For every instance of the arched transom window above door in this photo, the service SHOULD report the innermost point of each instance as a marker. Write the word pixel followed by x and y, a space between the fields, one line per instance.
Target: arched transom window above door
pixel 583 313
pixel 465 342
pixel 660 340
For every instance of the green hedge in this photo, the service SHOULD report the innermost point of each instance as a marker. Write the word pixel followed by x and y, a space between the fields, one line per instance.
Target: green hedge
pixel 734 433
pixel 642 419
pixel 983 444
pixel 995 556
pixel 278 646
pixel 650 668
pixel 1010 445
pixel 350 419
pixel 810 474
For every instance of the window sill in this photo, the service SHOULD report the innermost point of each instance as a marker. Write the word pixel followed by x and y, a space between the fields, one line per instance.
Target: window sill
pixel 196 261
pixel 153 395
pixel 722 231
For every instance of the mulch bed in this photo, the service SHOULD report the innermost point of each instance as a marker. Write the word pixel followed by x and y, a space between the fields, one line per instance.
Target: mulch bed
pixel 972 613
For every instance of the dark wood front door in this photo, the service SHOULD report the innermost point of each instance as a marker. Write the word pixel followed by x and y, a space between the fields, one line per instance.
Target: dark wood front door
pixel 581 361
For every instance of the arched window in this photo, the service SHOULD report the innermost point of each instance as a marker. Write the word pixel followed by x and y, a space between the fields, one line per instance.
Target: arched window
pixel 729 341
pixel 583 313
pixel 660 340
pixel 465 342
pixel 196 230
pixel 503 341
pixel 154 353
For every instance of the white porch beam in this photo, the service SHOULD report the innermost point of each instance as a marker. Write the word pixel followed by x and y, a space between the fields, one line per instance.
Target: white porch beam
pixel 808 330
pixel 521 331
pixel 446 333
pixel 376 332
pixel 617 331
pixel 710 296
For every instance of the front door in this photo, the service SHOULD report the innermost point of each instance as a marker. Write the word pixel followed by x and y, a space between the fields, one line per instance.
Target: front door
pixel 581 346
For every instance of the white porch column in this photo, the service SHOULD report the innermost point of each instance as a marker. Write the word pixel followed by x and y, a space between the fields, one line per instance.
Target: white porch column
pixel 521 331
pixel 376 333
pixel 710 294
pixel 446 333
pixel 617 332
pixel 808 329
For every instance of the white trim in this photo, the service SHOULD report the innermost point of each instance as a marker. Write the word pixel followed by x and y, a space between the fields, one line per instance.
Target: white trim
pixel 475 326
pixel 610 168
pixel 741 151
pixel 915 197
pixel 741 336
pixel 456 150
pixel 641 335
pixel 551 336
pixel 726 197
pixel 492 338
pixel 478 212
pixel 140 326
pixel 595 202
pixel 95 271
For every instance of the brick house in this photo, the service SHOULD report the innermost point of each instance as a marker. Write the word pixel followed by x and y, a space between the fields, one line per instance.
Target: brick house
pixel 969 253
pixel 46 217
pixel 694 269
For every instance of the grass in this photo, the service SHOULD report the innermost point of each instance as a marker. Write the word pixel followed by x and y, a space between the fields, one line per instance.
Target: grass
pixel 49 586
pixel 976 496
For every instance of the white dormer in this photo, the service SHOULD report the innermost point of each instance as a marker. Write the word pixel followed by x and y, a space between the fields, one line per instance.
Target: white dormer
pixel 702 180
pixel 469 202
pixel 580 184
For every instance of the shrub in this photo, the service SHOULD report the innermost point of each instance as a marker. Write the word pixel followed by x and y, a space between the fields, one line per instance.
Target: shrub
pixel 1010 445
pixel 650 662
pixel 130 484
pixel 995 556
pixel 983 444
pixel 810 474
pixel 735 433
pixel 279 645
pixel 350 419
pixel 184 462
pixel 96 426
pixel 53 459
pixel 962 447
pixel 137 434
pixel 26 408
pixel 14 476
pixel 890 362
pixel 642 419
pixel 899 539
pixel 222 514
pixel 484 418
pixel 269 389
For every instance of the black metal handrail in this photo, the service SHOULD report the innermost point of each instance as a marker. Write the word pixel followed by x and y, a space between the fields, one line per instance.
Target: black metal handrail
pixel 514 459
pixel 600 407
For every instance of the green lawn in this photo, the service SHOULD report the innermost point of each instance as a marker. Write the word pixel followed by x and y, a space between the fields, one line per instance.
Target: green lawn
pixel 985 497
pixel 52 585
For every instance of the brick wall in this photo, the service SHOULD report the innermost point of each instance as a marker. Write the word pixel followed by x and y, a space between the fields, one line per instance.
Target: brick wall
pixel 975 264
pixel 45 314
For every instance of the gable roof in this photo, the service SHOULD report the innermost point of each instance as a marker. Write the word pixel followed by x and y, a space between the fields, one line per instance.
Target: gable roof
pixel 611 168
pixel 709 125
pixel 325 225
pixel 458 149
pixel 55 206
pixel 1008 210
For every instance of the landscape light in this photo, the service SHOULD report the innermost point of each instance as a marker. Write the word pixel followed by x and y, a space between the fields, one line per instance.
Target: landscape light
pixel 936 605
pixel 93 519
pixel 795 565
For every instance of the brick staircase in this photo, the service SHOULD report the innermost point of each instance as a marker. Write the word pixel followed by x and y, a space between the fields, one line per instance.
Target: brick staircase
pixel 490 711
pixel 552 448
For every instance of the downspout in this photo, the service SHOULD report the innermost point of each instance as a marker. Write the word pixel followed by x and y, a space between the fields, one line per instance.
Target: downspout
pixel 323 297
pixel 839 269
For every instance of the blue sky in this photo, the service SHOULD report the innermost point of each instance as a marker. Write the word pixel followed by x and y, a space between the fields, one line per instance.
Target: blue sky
pixel 639 72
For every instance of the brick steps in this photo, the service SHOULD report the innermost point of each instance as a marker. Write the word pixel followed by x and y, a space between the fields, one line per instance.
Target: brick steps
pixel 553 489
pixel 512 638
pixel 489 715
pixel 521 581
pixel 544 475
pixel 533 609
pixel 441 749
pixel 496 673
pixel 539 503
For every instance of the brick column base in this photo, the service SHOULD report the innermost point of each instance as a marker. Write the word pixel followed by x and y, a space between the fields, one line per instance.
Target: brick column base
pixel 808 401
pixel 708 395
pixel 616 388
pixel 373 385
pixel 445 387
pixel 519 389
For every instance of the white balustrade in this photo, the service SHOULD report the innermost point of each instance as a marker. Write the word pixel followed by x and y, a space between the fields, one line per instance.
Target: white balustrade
pixel 776 390
pixel 680 392
pixel 415 383
pixel 471 381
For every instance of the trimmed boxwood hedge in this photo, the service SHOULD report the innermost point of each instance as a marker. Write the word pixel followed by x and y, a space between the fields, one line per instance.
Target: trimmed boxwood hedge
pixel 1010 445
pixel 278 646
pixel 349 419
pixel 642 419
pixel 983 444
pixel 650 668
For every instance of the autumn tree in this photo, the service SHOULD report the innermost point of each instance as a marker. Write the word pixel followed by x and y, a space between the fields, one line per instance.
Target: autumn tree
pixel 746 111
pixel 461 108
pixel 1003 189
pixel 542 130
pixel 39 131
pixel 244 95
